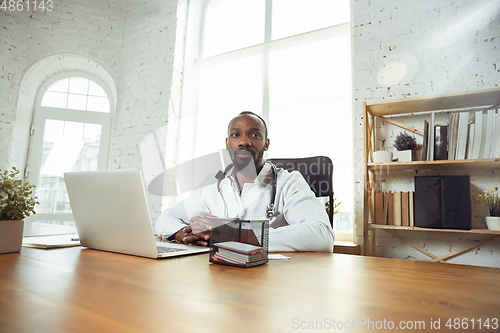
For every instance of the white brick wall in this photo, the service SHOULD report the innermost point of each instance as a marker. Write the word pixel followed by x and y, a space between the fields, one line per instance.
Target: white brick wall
pixel 149 63
pixel 448 46
pixel 130 45
pixel 93 29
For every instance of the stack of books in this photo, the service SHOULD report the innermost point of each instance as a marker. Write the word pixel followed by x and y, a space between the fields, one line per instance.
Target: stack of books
pixel 394 208
pixel 240 254
pixel 469 135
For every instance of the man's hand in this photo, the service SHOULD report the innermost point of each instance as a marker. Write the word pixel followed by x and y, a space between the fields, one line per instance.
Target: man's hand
pixel 197 233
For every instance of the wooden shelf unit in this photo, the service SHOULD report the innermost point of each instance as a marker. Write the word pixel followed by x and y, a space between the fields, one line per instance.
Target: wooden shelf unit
pixel 371 110
pixel 471 231
pixel 436 165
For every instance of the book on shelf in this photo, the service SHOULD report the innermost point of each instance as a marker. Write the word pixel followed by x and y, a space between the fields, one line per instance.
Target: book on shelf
pixel 385 214
pixel 476 142
pixel 430 152
pixel 394 208
pixel 390 208
pixel 379 208
pixel 425 142
pixel 461 143
pixel 410 209
pixel 405 212
pixel 468 135
pixel 490 115
pixel 482 132
pixel 473 135
pixel 497 148
pixel 452 136
pixel 494 142
pixel 470 140
pixel 470 124
pixel 397 208
pixel 440 142
pixel 487 134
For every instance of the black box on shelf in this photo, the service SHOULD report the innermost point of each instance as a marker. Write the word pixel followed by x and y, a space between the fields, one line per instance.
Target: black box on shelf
pixel 240 243
pixel 442 202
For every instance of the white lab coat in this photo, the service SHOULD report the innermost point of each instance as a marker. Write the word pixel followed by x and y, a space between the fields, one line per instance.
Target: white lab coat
pixel 301 222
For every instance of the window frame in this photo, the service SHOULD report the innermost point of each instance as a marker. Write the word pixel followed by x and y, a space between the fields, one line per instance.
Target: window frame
pixel 42 113
pixel 265 48
pixel 194 61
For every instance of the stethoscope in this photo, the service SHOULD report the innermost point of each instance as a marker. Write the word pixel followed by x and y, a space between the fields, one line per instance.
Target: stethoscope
pixel 269 209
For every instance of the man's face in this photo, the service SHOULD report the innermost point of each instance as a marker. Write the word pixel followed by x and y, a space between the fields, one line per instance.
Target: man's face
pixel 246 141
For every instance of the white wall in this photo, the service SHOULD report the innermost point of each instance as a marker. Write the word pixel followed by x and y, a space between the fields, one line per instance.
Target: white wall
pixel 425 48
pixel 151 68
pixel 129 44
pixel 93 29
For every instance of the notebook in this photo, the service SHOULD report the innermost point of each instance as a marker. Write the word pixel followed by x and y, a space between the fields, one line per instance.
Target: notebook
pixel 51 241
pixel 111 214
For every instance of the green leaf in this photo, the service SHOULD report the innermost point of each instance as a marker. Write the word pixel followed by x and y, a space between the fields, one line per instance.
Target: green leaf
pixel 16 199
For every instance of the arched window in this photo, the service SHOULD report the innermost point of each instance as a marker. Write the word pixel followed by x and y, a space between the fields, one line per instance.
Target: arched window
pixel 76 93
pixel 70 132
pixel 287 60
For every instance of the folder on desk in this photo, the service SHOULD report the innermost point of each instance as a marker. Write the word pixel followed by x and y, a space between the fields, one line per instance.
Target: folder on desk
pixel 51 241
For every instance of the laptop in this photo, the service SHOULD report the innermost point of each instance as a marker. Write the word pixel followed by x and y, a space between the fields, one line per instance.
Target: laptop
pixel 111 214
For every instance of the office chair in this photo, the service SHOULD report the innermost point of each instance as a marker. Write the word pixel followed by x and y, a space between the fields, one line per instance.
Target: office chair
pixel 318 173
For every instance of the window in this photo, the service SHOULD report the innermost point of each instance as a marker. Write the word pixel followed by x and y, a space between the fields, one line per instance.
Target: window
pixel 70 132
pixel 287 60
pixel 76 93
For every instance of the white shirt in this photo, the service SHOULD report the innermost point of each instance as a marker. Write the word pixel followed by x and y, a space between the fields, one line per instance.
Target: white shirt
pixel 300 222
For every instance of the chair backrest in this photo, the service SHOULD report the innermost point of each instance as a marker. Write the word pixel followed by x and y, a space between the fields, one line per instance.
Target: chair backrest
pixel 317 171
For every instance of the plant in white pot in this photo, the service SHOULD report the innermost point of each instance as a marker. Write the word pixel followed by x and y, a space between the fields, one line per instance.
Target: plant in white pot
pixel 16 203
pixel 405 145
pixel 493 202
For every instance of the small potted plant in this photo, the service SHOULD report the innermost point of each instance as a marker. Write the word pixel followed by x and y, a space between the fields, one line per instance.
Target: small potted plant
pixel 493 202
pixel 336 208
pixel 16 203
pixel 405 145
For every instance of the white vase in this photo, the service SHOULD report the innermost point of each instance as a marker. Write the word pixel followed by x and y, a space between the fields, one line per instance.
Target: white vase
pixel 11 235
pixel 404 155
pixel 382 156
pixel 493 222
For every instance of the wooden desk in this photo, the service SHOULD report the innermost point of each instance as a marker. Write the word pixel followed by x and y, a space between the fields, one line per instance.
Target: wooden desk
pixel 82 290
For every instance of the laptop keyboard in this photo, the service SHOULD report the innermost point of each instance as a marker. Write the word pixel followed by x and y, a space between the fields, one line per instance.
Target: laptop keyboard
pixel 164 249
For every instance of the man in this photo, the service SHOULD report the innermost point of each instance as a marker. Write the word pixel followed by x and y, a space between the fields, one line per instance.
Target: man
pixel 300 222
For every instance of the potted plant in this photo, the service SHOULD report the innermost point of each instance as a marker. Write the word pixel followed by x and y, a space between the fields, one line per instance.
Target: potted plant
pixel 493 202
pixel 16 203
pixel 335 207
pixel 405 145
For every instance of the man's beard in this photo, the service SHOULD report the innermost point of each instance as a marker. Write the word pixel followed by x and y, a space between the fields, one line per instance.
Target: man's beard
pixel 241 165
